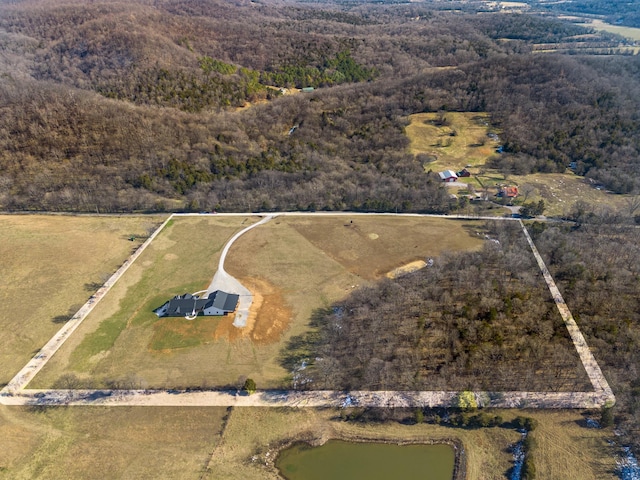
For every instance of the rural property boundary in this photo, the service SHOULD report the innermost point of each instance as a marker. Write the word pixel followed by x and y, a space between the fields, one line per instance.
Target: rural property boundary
pixel 15 393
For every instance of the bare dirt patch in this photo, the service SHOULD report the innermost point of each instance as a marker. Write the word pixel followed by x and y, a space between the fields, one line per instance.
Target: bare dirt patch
pixel 272 316
pixel 407 268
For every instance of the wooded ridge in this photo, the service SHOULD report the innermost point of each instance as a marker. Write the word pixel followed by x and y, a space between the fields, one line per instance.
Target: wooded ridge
pixel 114 107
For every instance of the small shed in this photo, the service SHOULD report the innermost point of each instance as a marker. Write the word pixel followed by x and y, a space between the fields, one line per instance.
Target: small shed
pixel 448 176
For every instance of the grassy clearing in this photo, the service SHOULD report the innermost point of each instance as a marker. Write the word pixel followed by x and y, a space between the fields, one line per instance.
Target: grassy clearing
pixel 454 141
pixel 58 261
pixel 103 443
pixel 294 264
pixel 566 449
pixel 628 32
pixel 472 146
pixel 561 191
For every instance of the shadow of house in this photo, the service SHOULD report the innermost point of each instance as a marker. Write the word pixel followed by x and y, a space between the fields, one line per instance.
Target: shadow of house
pixel 215 304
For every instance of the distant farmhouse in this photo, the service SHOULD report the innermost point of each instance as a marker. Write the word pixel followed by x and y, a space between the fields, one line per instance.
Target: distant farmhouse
pixel 217 303
pixel 448 176
pixel 508 192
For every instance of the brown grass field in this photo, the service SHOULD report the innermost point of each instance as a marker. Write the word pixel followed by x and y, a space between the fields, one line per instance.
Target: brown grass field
pixel 469 146
pixel 177 443
pixel 107 443
pixel 50 266
pixel 292 264
pixel 629 32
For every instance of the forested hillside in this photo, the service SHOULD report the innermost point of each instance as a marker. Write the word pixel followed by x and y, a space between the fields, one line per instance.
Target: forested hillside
pixel 118 107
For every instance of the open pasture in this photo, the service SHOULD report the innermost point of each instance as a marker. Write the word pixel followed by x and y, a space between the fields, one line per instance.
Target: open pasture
pixel 293 265
pixel 51 265
pixel 623 30
pixel 451 140
pixel 107 443
pixel 172 442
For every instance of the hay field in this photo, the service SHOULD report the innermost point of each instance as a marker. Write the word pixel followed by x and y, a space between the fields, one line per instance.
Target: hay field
pixel 462 139
pixel 565 448
pixel 107 443
pixel 51 265
pixel 629 32
pixel 292 264
pixel 175 443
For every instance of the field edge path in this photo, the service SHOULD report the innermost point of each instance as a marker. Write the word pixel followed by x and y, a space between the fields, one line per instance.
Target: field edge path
pixel 30 370
pixel 598 380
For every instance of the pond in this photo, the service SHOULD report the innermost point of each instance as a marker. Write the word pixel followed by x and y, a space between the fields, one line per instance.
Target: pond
pixel 372 461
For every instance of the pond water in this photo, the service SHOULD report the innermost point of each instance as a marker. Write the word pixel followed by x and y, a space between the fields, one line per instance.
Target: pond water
pixel 339 460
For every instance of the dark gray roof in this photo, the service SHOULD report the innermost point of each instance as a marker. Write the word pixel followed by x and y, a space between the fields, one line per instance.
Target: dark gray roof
pixel 187 304
pixel 223 300
pixel 179 307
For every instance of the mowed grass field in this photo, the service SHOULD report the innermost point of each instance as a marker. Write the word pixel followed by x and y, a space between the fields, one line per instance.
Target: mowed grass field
pixel 63 443
pixel 293 264
pixel 50 265
pixel 566 449
pixel 462 139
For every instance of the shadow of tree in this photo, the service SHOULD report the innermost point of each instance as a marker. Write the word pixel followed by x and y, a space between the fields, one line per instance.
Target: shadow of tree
pixel 67 316
pixel 92 286
pixel 304 347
